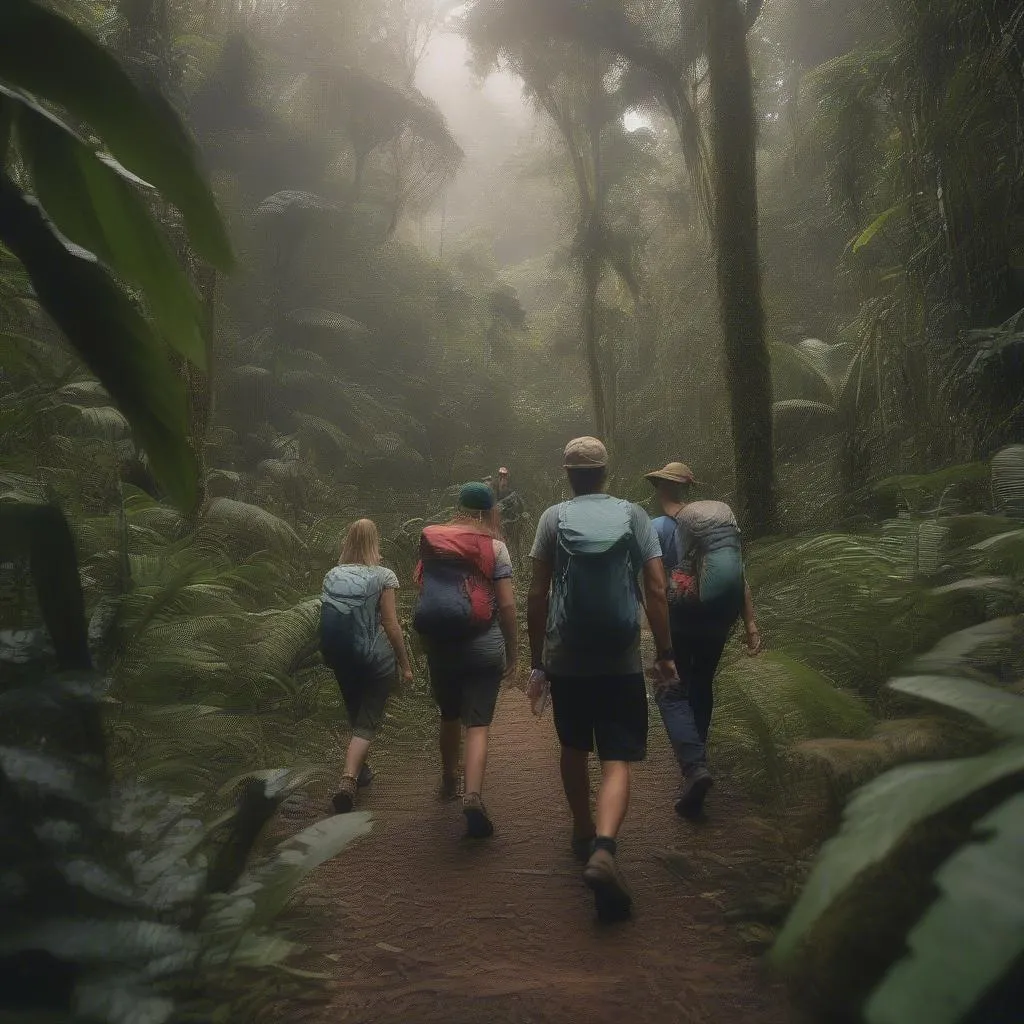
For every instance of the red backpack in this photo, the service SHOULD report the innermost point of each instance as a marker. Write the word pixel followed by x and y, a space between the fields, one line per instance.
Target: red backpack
pixel 455 576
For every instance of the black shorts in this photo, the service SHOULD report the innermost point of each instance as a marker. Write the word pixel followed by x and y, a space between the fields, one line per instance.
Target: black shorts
pixel 465 677
pixel 469 697
pixel 365 690
pixel 607 711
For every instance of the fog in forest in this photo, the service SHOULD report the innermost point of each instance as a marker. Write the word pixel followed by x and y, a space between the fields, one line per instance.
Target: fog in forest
pixel 511 511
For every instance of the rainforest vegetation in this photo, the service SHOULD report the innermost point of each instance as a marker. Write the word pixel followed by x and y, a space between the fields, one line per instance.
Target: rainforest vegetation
pixel 269 266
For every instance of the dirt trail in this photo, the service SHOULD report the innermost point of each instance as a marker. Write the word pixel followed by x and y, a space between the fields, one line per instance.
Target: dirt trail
pixel 427 927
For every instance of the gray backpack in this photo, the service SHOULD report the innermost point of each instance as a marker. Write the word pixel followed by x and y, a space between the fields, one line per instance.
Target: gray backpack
pixel 350 606
pixel 595 598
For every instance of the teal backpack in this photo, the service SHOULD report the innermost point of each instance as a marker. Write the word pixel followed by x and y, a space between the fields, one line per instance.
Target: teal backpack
pixel 595 598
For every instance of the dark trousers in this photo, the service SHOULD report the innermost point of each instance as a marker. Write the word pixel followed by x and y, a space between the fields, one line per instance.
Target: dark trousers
pixel 686 708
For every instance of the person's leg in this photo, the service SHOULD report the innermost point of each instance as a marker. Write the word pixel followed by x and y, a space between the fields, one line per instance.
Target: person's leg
pixel 612 798
pixel 350 684
pixel 575 770
pixel 450 742
pixel 574 724
pixel 479 697
pixel 697 780
pixel 708 650
pixel 367 710
pixel 620 733
pixel 676 708
pixel 448 700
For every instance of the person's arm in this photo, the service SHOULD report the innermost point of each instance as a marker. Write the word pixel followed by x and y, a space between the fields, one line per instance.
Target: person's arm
pixel 393 630
pixel 505 595
pixel 753 636
pixel 537 610
pixel 656 600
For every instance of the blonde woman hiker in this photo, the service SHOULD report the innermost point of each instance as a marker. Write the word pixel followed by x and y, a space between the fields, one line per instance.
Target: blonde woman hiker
pixel 361 641
pixel 466 615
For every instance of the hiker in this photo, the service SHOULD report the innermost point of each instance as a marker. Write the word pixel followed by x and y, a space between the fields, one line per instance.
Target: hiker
pixel 584 625
pixel 708 592
pixel 361 642
pixel 466 614
pixel 511 515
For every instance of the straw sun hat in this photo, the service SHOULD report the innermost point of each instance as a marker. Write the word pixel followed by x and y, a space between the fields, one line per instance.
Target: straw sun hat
pixel 674 472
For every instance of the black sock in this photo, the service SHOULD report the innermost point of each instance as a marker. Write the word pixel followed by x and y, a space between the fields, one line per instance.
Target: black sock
pixel 606 843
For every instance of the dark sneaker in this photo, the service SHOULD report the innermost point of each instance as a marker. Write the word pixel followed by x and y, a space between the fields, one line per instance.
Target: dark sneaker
pixel 690 801
pixel 345 799
pixel 365 776
pixel 449 788
pixel 582 847
pixel 612 899
pixel 478 824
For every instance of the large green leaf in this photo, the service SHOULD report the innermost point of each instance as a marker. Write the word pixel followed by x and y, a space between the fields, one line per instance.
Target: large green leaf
pixel 970 937
pixel 971 647
pixel 874 227
pixel 1003 712
pixel 263 892
pixel 111 336
pixel 138 126
pixel 878 817
pixel 97 205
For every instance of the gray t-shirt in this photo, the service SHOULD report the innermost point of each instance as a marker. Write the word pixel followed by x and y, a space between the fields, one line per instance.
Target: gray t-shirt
pixel 558 662
pixel 363 585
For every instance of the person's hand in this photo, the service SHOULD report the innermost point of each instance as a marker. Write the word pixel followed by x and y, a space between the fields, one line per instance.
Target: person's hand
pixel 538 680
pixel 753 642
pixel 511 668
pixel 665 675
pixel 407 675
pixel 537 690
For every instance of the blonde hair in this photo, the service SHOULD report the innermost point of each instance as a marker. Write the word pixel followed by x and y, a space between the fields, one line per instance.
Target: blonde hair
pixel 486 520
pixel 361 544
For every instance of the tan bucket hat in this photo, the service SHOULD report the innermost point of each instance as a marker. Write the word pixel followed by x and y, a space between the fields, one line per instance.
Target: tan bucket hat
pixel 585 453
pixel 674 472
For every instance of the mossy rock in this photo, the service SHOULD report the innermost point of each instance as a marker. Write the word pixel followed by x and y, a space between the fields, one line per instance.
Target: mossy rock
pixel 768 705
pixel 966 487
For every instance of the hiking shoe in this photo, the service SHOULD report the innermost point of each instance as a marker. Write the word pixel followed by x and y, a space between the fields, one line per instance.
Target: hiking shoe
pixel 365 776
pixel 478 824
pixel 345 799
pixel 449 788
pixel 690 801
pixel 612 899
pixel 582 847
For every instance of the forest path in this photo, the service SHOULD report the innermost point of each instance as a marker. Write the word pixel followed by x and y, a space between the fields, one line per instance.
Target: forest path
pixel 428 927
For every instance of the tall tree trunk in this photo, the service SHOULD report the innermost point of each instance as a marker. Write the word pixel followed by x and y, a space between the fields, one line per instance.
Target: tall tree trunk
pixel 594 260
pixel 739 273
pixel 591 280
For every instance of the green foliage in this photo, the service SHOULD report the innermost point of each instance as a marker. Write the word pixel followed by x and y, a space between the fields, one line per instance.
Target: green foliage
pixel 117 893
pixel 941 491
pixel 766 706
pixel 88 222
pixel 969 937
pixel 938 979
